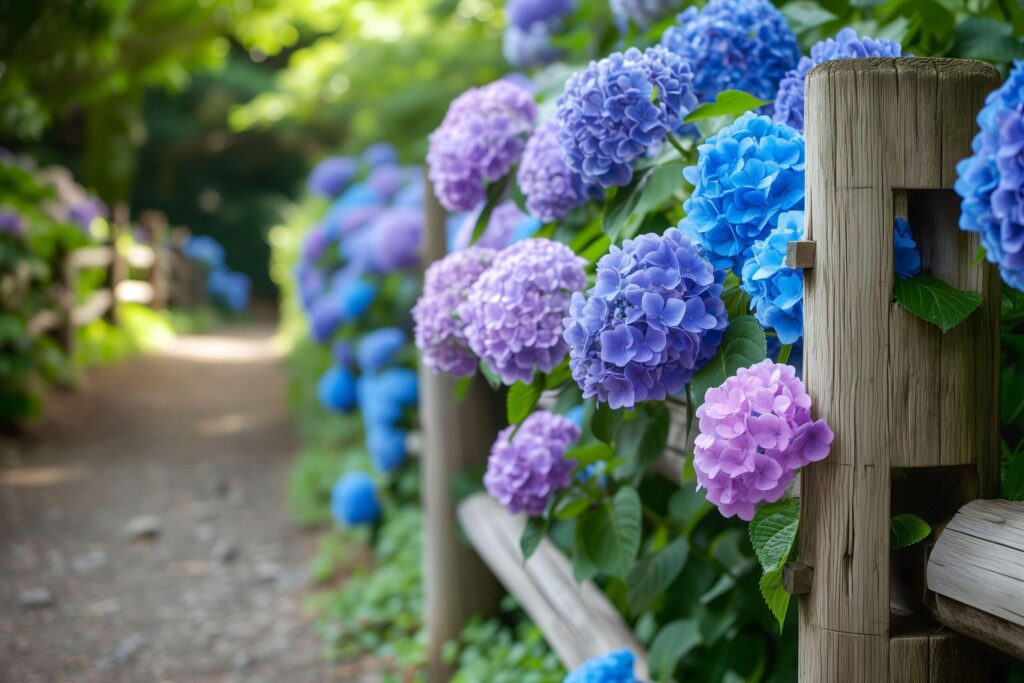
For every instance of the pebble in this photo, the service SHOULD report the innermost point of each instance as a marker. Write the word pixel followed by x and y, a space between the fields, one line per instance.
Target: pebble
pixel 143 528
pixel 89 561
pixel 35 598
pixel 224 552
pixel 121 654
pixel 266 572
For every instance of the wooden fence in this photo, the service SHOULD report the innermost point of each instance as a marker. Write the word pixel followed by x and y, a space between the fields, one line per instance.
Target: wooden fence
pixel 883 138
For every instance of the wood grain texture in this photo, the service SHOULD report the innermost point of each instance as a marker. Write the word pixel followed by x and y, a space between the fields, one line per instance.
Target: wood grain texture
pixel 896 392
pixel 979 625
pixel 577 620
pixel 800 254
pixel 456 434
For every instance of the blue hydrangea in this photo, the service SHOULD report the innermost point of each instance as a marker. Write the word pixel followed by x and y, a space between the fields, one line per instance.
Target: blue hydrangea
pixel 377 349
pixel 359 196
pixel 653 317
pixel 354 500
pixel 229 288
pixel 614 667
pixel 746 176
pixel 355 298
pixel 620 109
pixel 384 396
pixel 991 181
pixel 341 353
pixel 523 48
pixel 380 154
pixel 332 175
pixel 789 101
pixel 386 446
pixel 643 13
pixel 777 292
pixel 205 250
pixel 337 389
pixel 525 13
pixel 551 188
pixel 906 257
pixel 734 45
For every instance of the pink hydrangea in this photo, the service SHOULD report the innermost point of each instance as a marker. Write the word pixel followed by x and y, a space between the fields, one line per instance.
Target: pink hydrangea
pixel 755 431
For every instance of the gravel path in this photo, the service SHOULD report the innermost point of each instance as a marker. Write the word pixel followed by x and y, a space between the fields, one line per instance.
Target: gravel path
pixel 190 448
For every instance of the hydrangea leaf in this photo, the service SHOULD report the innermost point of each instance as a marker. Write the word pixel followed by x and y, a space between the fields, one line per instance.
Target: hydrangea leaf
pixel 495 195
pixel 672 643
pixel 907 529
pixel 642 439
pixel 589 454
pixel 582 568
pixel 533 533
pixel 650 188
pixel 688 506
pixel 521 400
pixel 803 15
pixel 935 300
pixel 743 345
pixel 572 508
pixel 1013 473
pixel 605 422
pixel 610 533
pixel 727 103
pixel 775 595
pixel 653 575
pixel 987 39
pixel 773 532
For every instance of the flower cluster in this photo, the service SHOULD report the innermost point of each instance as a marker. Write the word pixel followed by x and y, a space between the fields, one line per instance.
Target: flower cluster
pixel 513 312
pixel 383 398
pixel 336 389
pixel 991 181
pixel 85 211
pixel 205 250
pixel 481 136
pixel 387 180
pixel 395 239
pixel 505 225
pixel 331 176
pixel 755 431
pixel 531 24
pixel 11 224
pixel 380 154
pixel 654 317
pixel 734 45
pixel 620 109
pixel 354 500
pixel 789 101
pixel 528 465
pixel 906 257
pixel 614 667
pixel 551 188
pixel 643 13
pixel 377 349
pixel 746 176
pixel 440 334
pixel 229 288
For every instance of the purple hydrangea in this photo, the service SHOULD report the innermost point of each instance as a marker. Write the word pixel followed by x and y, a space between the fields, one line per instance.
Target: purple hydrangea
pixel 654 316
pixel 332 175
pixel 755 431
pixel 387 180
pixel 527 464
pixel 513 312
pixel 440 333
pixel 734 45
pixel 11 224
pixel 523 48
pixel 505 220
pixel 481 136
pixel 991 181
pixel 789 101
pixel 380 154
pixel 746 175
pixel 315 244
pixel 551 187
pixel 525 13
pixel 86 211
pixel 396 238
pixel 620 109
pixel 614 667
pixel 776 291
pixel 643 13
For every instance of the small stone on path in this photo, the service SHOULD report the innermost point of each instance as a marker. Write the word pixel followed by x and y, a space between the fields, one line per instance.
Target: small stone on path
pixel 224 552
pixel 143 528
pixel 34 598
pixel 121 654
pixel 89 561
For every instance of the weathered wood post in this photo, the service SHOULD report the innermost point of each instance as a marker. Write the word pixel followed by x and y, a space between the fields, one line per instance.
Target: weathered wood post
pixel 155 224
pixel 883 138
pixel 456 434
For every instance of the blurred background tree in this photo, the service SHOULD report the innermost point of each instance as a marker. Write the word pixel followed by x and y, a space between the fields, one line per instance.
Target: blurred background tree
pixel 213 110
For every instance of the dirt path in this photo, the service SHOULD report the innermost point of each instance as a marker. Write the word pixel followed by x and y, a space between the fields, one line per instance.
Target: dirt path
pixel 198 437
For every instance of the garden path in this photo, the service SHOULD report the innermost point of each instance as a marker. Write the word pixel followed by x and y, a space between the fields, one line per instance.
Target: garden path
pixel 198 439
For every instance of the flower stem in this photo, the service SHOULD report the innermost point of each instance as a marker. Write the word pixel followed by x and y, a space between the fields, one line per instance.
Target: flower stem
pixel 674 141
pixel 784 352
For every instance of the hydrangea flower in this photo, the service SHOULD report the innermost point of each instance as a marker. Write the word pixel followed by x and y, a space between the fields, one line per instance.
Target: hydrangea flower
pixel 355 297
pixel 206 250
pixel 734 45
pixel 746 176
pixel 315 244
pixel 359 197
pixel 383 397
pixel 86 211
pixel 354 500
pixel 527 466
pixel 620 109
pixel 614 667
pixel 396 238
pixel 643 13
pixel 11 224
pixel 906 257
pixel 789 101
pixel 331 176
pixel 552 189
pixel 481 136
pixel 525 13
pixel 386 447
pixel 755 431
pixel 991 181
pixel 229 288
pixel 523 48
pixel 654 316
pixel 440 334
pixel 337 389
pixel 513 312
pixel 380 154
pixel 504 223
pixel 377 349
pixel 341 353
pixel 387 180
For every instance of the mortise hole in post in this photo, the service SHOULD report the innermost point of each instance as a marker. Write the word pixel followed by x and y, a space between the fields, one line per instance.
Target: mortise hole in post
pixel 933 216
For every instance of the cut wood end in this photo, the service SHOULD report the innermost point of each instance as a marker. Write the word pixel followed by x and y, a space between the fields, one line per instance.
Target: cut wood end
pixel 800 254
pixel 797 578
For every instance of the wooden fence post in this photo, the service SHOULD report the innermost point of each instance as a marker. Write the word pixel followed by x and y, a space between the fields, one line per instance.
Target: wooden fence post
pixel 883 139
pixel 119 221
pixel 155 224
pixel 456 434
pixel 66 291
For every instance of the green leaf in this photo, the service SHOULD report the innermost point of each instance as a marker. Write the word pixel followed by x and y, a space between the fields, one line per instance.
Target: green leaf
pixel 688 506
pixel 773 532
pixel 522 398
pixel 936 301
pixel 610 533
pixel 1013 473
pixel 490 375
pixel 533 534
pixel 495 195
pixel 775 595
pixel 642 439
pixel 727 103
pixel 653 575
pixel 558 375
pixel 649 189
pixel 582 568
pixel 672 643
pixel 589 454
pixel 605 422
pixel 907 529
pixel 987 39
pixel 572 508
pixel 743 345
pixel 803 15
